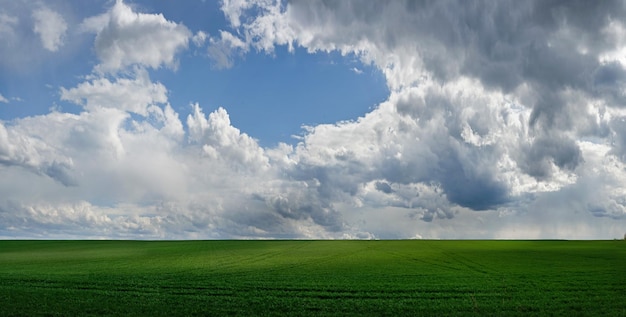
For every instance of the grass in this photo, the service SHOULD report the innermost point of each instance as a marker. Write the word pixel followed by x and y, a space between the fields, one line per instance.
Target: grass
pixel 277 278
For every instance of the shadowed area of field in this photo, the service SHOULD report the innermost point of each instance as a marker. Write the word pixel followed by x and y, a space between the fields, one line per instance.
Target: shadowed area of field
pixel 313 277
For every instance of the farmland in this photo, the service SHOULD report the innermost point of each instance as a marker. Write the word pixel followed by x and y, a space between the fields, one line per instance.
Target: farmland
pixel 381 278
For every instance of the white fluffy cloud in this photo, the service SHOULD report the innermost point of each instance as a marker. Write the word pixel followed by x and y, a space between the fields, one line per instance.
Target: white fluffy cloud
pixel 148 178
pixel 50 26
pixel 34 154
pixel 128 94
pixel 125 37
pixel 3 99
pixel 219 139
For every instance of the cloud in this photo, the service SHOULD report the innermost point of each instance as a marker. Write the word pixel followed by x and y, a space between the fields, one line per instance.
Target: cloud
pixel 220 140
pixel 489 102
pixel 35 35
pixel 504 120
pixel 3 99
pixel 51 28
pixel 388 146
pixel 128 94
pixel 59 220
pixel 124 38
pixel 34 155
pixel 148 178
pixel 262 33
pixel 7 25
pixel 199 38
pixel 222 49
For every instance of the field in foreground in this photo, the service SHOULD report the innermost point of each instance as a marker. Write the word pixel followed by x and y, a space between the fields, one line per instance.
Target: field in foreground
pixel 381 278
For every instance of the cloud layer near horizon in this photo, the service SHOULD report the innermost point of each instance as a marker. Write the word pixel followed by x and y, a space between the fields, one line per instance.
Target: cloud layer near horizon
pixel 504 120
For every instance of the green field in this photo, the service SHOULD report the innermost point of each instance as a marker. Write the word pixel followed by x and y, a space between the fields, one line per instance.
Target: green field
pixel 379 278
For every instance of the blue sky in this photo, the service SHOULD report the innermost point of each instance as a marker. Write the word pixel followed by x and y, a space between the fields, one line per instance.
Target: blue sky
pixel 313 119
pixel 282 91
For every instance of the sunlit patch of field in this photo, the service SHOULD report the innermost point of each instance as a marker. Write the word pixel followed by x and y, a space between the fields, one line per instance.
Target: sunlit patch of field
pixel 313 278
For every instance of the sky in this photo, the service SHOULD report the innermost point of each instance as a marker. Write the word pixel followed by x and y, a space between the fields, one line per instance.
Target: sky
pixel 308 119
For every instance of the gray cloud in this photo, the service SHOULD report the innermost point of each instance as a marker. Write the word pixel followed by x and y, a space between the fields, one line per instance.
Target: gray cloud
pixel 384 187
pixel 618 126
pixel 468 186
pixel 545 152
pixel 549 45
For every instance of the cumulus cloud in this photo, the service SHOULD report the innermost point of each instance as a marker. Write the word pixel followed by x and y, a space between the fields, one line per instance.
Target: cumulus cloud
pixel 3 99
pixel 35 155
pixel 219 139
pixel 128 94
pixel 148 178
pixel 51 28
pixel 125 37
